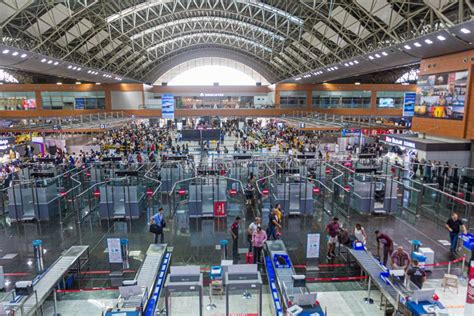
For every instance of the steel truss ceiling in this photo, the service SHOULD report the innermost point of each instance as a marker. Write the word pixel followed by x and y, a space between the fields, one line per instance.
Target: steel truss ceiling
pixel 136 39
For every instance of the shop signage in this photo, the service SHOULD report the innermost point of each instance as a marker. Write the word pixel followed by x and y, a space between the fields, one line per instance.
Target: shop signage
pixel 211 94
pixel 400 142
pixel 6 142
pixel 312 246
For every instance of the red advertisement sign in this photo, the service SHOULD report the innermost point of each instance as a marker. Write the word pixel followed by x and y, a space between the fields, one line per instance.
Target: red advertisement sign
pixel 219 209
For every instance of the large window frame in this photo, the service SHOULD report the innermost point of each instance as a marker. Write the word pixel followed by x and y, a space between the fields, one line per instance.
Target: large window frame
pixel 73 100
pixel 293 99
pixel 358 99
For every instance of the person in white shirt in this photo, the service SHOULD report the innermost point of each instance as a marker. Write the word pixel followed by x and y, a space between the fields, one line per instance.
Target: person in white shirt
pixel 359 233
pixel 251 230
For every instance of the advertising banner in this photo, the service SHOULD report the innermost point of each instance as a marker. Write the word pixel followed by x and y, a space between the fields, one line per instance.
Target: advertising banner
pixel 441 95
pixel 167 106
pixel 409 104
pixel 115 252
pixel 79 103
pixel 312 246
pixel 29 104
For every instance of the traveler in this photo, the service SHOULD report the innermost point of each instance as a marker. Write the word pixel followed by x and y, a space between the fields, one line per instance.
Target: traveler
pixel 359 233
pixel 157 223
pixel 234 232
pixel 416 274
pixel 332 229
pixel 454 225
pixel 248 193
pixel 251 230
pixel 258 240
pixel 273 224
pixel 400 259
pixel 387 243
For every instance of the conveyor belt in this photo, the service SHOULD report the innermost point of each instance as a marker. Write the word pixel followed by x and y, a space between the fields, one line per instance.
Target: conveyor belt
pixel 51 278
pixel 373 269
pixel 150 268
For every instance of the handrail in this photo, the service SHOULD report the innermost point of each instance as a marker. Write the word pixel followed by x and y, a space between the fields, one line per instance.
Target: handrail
pixel 152 179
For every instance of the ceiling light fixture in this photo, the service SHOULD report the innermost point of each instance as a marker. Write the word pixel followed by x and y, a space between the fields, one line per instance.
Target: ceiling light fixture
pixel 357 83
pixel 384 53
pixel 43 60
pixel 371 57
pixel 351 63
pixel 407 47
pixel 14 53
pixel 377 55
pixel 69 67
pixel 417 44
pixel 346 64
pixel 23 55
pixel 356 62
pixel 56 63
pixel 59 83
pixel 5 51
pixel 441 37
pixel 428 41
pixel 465 30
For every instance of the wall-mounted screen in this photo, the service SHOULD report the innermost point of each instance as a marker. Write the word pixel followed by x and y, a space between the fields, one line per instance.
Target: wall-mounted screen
pixel 441 95
pixel 386 103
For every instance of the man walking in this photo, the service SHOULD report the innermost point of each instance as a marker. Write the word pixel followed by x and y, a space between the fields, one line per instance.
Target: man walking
pixel 158 223
pixel 387 243
pixel 454 225
pixel 332 229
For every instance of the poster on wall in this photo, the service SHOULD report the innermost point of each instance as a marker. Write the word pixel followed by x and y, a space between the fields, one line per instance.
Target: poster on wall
pixel 167 106
pixel 409 104
pixel 441 95
pixel 79 103
pixel 29 104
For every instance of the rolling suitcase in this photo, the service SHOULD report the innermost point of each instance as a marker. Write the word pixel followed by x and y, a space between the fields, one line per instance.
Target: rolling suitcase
pixel 249 258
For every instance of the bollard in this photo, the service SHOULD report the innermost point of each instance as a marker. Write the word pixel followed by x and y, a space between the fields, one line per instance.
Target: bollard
pixel 449 267
pixel 38 248
pixel 224 243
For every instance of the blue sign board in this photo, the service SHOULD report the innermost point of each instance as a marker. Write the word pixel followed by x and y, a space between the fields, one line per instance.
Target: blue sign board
pixel 167 106
pixel 80 103
pixel 409 104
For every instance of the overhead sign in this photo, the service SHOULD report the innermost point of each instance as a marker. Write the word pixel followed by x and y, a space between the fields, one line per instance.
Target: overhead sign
pixel 409 104
pixel 400 142
pixel 115 250
pixel 167 106
pixel 211 94
pixel 312 246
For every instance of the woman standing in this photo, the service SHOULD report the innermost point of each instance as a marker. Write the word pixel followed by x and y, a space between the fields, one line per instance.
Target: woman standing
pixel 258 240
pixel 359 233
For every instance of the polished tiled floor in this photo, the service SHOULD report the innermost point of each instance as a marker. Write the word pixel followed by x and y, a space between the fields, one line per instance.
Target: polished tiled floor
pixel 194 241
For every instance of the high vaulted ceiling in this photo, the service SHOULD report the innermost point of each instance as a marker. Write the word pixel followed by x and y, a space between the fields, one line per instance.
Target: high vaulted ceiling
pixel 137 40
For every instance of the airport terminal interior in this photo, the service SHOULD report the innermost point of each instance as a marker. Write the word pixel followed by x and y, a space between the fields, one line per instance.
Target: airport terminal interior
pixel 236 157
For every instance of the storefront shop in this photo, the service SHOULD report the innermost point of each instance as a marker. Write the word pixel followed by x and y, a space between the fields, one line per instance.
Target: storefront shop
pixel 405 147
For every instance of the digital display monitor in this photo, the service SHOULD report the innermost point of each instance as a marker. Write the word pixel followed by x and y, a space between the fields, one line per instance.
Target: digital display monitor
pixel 442 95
pixel 386 103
